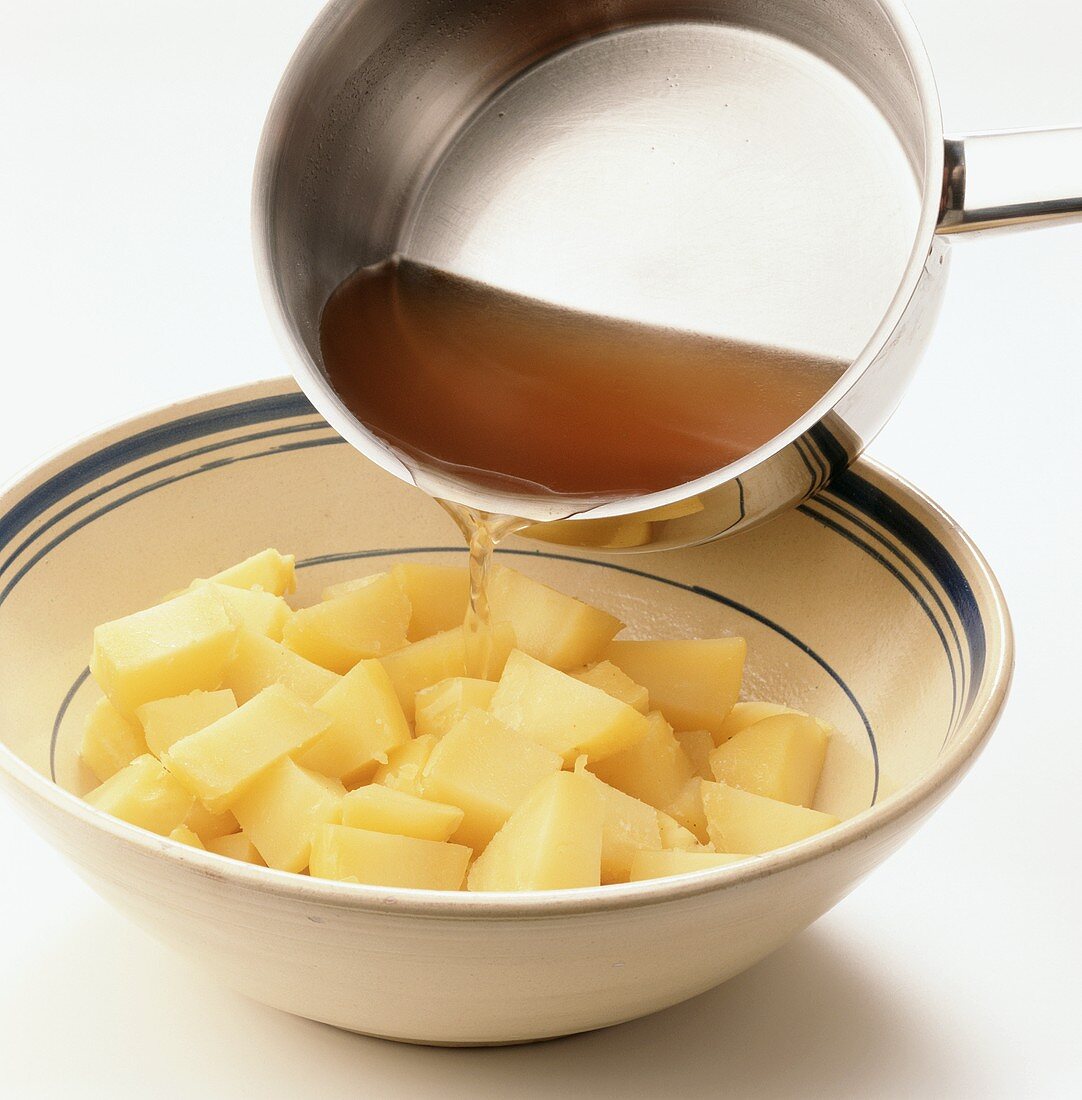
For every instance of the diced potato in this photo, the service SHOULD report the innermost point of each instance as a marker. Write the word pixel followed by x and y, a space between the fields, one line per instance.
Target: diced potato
pixel 284 808
pixel 383 810
pixel 425 663
pixel 740 821
pixel 318 767
pixel 268 570
pixel 110 741
pixel 343 588
pixel 655 770
pixel 551 627
pixel 259 662
pixel 747 714
pixel 693 683
pixel 628 826
pixel 687 809
pixel 698 745
pixel 563 714
pixel 404 766
pixel 236 846
pixel 252 608
pixel 167 721
pixel 438 594
pixel 780 757
pixel 613 681
pixel 208 826
pixel 218 763
pixel 439 707
pixel 382 859
pixel 366 723
pixel 170 649
pixel 647 865
pixel 183 835
pixel 144 794
pixel 674 835
pixel 366 622
pixel 487 771
pixel 552 841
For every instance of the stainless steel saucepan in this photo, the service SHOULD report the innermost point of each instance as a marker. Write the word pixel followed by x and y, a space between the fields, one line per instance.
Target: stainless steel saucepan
pixel 774 172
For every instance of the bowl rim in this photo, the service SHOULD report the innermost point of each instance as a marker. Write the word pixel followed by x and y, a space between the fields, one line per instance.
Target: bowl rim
pixel 967 741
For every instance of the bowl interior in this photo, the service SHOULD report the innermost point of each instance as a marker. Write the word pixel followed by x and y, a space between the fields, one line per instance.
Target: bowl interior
pixel 865 606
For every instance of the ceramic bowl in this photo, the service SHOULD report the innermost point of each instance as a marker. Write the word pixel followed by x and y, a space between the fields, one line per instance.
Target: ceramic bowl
pixel 866 606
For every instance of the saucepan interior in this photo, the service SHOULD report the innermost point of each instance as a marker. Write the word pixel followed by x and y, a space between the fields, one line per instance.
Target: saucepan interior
pixel 765 173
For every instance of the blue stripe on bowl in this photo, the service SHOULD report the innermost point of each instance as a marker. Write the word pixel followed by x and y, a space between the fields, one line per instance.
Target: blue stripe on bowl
pixel 890 516
pixel 226 418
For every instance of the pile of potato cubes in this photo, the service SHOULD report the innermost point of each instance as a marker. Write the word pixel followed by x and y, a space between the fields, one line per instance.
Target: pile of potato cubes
pixel 358 740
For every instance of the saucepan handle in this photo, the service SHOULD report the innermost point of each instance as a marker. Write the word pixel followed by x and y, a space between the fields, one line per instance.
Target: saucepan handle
pixel 1011 178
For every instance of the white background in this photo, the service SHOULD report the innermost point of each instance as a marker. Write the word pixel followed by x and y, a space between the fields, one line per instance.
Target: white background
pixel 127 134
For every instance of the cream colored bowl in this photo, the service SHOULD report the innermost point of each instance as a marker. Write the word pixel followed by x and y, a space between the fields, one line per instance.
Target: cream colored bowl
pixel 866 606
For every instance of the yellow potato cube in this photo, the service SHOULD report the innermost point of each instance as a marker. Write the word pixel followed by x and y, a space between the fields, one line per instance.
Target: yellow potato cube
pixel 438 594
pixel 654 770
pixel 780 757
pixel 369 621
pixel 110 741
pixel 563 714
pixel 439 707
pixel 740 821
pixel 170 649
pixel 183 835
pixel 698 745
pixel 167 721
pixel 485 770
pixel 268 570
pixel 284 808
pixel 236 846
pixel 144 794
pixel 218 763
pixel 693 683
pixel 612 681
pixel 259 662
pixel 552 841
pixel 551 627
pixel 208 826
pixel 343 588
pixel 425 663
pixel 647 865
pixel 382 859
pixel 687 809
pixel 674 835
pixel 383 810
pixel 366 723
pixel 252 608
pixel 747 714
pixel 402 771
pixel 628 826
